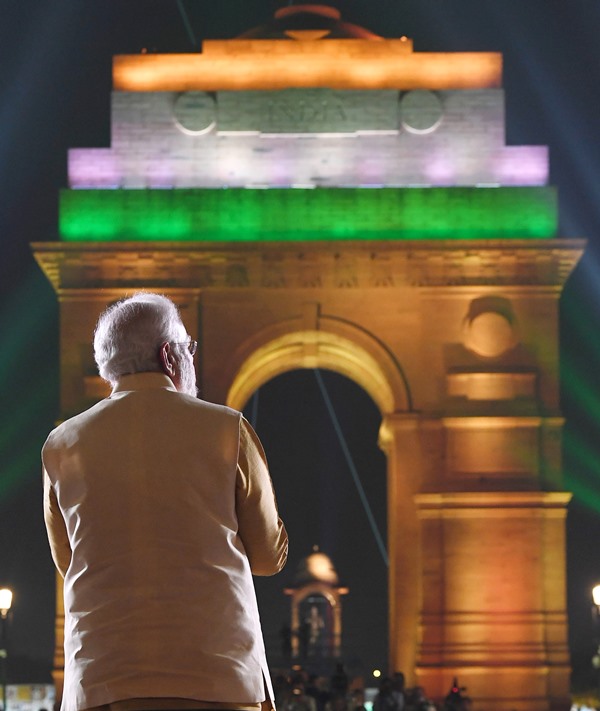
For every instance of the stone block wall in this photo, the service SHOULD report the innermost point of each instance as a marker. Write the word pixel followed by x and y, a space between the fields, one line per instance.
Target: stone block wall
pixel 308 138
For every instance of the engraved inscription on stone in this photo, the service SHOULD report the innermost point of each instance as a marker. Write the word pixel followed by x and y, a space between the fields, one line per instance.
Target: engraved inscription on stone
pixel 420 111
pixel 307 111
pixel 194 112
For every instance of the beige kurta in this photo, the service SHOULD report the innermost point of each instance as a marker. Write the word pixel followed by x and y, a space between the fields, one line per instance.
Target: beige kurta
pixel 159 507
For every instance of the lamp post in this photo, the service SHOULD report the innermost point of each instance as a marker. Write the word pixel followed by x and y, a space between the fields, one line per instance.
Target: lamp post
pixel 5 603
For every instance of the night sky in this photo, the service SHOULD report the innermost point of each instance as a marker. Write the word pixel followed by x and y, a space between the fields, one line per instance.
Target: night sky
pixel 55 82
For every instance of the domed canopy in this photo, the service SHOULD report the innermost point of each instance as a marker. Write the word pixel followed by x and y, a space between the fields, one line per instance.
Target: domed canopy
pixel 316 568
pixel 308 22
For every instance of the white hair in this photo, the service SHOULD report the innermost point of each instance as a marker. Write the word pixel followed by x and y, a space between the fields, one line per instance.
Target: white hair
pixel 130 332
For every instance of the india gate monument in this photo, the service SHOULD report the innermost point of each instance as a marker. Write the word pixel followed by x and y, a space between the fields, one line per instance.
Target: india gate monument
pixel 313 195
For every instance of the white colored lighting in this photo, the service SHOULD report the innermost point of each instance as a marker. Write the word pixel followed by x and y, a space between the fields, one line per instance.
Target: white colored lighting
pixel 596 595
pixel 376 673
pixel 5 601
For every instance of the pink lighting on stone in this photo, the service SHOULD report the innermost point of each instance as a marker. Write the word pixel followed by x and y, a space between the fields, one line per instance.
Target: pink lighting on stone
pixel 94 168
pixel 440 170
pixel 161 175
pixel 238 165
pixel 512 166
pixel 369 173
pixel 523 165
pixel 279 175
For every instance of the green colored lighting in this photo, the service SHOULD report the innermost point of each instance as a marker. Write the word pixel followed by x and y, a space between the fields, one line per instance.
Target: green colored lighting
pixel 583 474
pixel 27 381
pixel 246 215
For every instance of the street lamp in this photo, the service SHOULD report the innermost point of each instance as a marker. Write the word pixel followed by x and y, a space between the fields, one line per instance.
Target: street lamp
pixel 5 603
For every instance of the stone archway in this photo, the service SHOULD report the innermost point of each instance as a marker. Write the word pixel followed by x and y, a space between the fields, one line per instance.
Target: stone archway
pixel 404 231
pixel 475 509
pixel 343 347
pixel 332 344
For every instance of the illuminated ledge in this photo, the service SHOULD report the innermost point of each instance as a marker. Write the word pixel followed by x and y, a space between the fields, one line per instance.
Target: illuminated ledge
pixel 242 215
pixel 493 504
pixel 74 267
pixel 491 385
pixel 282 64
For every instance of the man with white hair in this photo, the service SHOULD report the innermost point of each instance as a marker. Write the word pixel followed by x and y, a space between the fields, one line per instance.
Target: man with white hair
pixel 159 508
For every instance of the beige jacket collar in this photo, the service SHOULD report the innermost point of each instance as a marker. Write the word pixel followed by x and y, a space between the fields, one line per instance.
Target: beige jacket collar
pixel 143 381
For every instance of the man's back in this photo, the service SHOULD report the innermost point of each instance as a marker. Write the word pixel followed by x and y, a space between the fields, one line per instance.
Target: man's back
pixel 158 515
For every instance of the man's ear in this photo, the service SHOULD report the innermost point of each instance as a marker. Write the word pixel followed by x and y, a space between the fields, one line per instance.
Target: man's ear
pixel 167 359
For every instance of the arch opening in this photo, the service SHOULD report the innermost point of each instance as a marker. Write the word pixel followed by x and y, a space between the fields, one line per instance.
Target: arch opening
pixel 320 505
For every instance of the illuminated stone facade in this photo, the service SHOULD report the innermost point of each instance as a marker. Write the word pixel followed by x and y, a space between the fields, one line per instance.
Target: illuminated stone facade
pixel 339 113
pixel 306 138
pixel 450 325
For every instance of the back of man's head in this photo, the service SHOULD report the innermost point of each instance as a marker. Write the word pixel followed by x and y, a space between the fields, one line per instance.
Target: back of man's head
pixel 130 332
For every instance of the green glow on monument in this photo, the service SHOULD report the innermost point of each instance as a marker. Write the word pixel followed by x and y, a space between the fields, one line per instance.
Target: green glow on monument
pixel 238 214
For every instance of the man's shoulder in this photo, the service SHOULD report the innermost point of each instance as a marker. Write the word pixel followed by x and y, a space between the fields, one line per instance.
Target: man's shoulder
pixel 69 430
pixel 74 423
pixel 199 418
pixel 209 408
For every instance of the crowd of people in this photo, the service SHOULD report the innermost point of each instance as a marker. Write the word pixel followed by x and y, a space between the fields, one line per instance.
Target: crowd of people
pixel 301 691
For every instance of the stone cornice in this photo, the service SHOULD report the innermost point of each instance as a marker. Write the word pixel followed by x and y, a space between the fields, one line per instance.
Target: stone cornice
pixel 323 265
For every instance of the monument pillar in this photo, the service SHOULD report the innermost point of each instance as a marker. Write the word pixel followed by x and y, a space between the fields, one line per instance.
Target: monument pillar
pixel 399 438
pixel 493 611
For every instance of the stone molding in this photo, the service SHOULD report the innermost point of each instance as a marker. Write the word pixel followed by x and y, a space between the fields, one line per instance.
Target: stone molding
pixel 326 265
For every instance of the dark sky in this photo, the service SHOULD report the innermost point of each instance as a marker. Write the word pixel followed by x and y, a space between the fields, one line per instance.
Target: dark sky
pixel 55 81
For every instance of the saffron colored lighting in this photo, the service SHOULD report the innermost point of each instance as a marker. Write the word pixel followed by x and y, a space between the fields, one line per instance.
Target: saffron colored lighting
pixel 338 64
pixel 308 214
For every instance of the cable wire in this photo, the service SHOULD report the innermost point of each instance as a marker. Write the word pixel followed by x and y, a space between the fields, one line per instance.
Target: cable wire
pixel 352 467
pixel 186 22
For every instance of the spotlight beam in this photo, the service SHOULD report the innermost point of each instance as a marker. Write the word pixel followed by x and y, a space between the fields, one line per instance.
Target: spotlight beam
pixel 352 467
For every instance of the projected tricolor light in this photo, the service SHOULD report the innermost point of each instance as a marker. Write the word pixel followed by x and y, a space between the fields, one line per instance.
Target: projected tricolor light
pixel 301 214
pixel 272 64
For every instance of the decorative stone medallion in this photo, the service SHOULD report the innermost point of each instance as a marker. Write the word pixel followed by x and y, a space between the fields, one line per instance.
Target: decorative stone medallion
pixel 420 111
pixel 195 112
